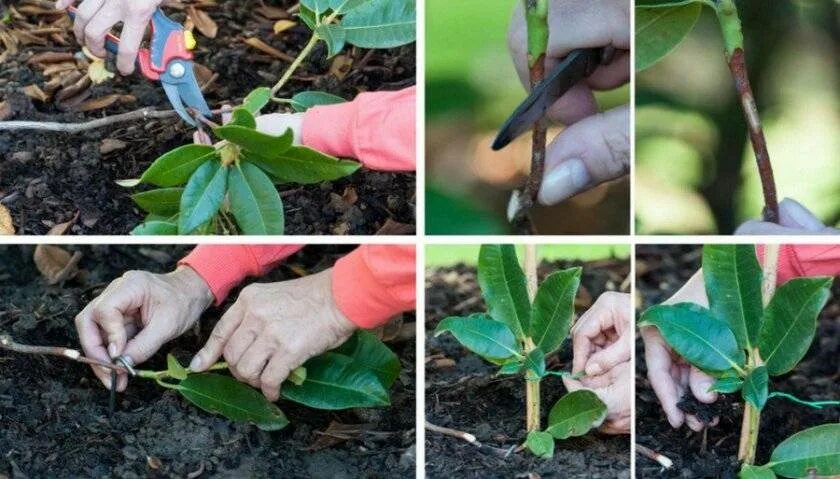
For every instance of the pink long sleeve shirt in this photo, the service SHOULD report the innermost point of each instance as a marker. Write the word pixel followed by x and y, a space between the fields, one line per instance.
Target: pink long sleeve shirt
pixel 806 260
pixel 370 285
pixel 376 128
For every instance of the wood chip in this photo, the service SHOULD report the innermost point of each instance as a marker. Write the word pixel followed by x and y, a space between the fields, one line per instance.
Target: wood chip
pixel 5 111
pixel 203 22
pixel 110 145
pixel 105 102
pixel 281 26
pixel 51 57
pixel 340 66
pixel 56 68
pixel 35 92
pixel 445 363
pixel 337 433
pixel 7 226
pixel 272 13
pixel 153 462
pixel 392 227
pixel 56 264
pixel 62 228
pixel 268 49
pixel 81 85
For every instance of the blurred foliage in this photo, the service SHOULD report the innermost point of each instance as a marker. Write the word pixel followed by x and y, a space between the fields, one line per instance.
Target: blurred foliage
pixel 462 216
pixel 449 255
pixel 695 170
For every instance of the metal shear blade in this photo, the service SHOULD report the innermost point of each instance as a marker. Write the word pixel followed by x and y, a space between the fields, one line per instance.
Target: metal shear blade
pixel 575 67
pixel 184 91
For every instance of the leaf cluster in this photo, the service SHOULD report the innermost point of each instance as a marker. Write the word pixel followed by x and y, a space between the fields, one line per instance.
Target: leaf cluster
pixel 230 187
pixel 517 335
pixel 357 374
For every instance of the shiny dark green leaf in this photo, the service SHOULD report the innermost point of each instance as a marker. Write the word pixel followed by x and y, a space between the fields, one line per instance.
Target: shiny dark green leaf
pixel 307 99
pixel 334 36
pixel 303 165
pixel 790 322
pixel 756 472
pixel 696 335
pixel 254 141
pixel 163 202
pixel 733 283
pixel 541 444
pixel 175 167
pixel 254 201
pixel 503 285
pixel 242 117
pixel 727 385
pixel 554 309
pixel 257 100
pixel 334 381
pixel 816 448
pixel 575 414
pixel 511 367
pixel 232 399
pixel 660 30
pixel 483 335
pixel 535 364
pixel 756 387
pixel 368 351
pixel 203 196
pixel 155 228
pixel 381 24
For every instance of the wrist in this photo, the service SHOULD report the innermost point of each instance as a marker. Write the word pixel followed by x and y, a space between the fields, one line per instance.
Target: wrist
pixel 339 321
pixel 189 283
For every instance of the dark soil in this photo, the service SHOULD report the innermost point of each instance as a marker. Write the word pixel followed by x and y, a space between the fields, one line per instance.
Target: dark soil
pixel 468 396
pixel 661 270
pixel 45 178
pixel 54 414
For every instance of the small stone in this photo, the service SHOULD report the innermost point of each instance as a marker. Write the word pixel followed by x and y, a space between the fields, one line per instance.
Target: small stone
pixel 110 145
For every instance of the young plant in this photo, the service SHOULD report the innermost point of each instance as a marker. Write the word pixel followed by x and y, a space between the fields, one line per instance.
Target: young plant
pixel 745 337
pixel 229 188
pixel 663 24
pixel 359 373
pixel 517 335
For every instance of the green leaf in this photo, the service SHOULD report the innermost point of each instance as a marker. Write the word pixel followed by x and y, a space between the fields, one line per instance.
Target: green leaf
pixel 670 3
pixel 255 141
pixel 232 399
pixel 733 283
pixel 254 201
pixel 257 100
pixel 307 99
pixel 575 414
pixel 727 385
pixel 554 308
pixel 503 285
pixel 381 24
pixel 308 17
pixel 368 351
pixel 316 6
pixel 790 322
pixel 756 472
pixel 164 201
pixel 510 367
pixel 175 167
pixel 756 387
pixel 242 117
pixel 155 228
pixel 203 196
pixel 535 364
pixel 660 30
pixel 174 368
pixel 696 335
pixel 479 333
pixel 345 6
pixel 334 36
pixel 334 381
pixel 815 448
pixel 303 165
pixel 541 444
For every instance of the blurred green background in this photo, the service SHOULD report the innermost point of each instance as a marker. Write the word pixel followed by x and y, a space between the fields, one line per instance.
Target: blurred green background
pixel 471 88
pixel 695 170
pixel 448 255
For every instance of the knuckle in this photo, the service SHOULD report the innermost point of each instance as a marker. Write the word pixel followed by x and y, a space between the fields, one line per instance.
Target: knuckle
pixel 617 145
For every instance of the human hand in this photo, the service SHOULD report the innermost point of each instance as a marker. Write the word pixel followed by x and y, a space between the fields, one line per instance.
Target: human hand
pixel 96 18
pixel 669 374
pixel 273 328
pixel 139 312
pixel 596 147
pixel 614 389
pixel 794 219
pixel 602 337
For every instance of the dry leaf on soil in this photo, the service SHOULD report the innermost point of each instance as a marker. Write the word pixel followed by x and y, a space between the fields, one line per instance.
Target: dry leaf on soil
pixel 281 26
pixel 55 263
pixel 7 226
pixel 268 49
pixel 203 22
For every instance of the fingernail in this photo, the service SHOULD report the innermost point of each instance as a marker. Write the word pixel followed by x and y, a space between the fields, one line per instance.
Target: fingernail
pixel 112 350
pixel 565 181
pixel 195 364
pixel 107 383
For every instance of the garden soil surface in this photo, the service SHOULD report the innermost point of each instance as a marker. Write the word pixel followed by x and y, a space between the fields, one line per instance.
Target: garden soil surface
pixel 661 270
pixel 54 418
pixel 464 393
pixel 46 178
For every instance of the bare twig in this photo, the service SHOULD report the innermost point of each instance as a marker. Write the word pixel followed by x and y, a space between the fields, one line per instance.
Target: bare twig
pixel 654 456
pixel 147 113
pixel 465 436
pixel 7 343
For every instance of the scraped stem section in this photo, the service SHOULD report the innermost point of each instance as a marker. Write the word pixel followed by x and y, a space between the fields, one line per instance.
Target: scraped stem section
pixel 730 24
pixel 536 19
pixel 532 385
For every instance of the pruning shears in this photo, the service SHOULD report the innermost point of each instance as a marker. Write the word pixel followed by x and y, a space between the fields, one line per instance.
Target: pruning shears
pixel 577 65
pixel 168 59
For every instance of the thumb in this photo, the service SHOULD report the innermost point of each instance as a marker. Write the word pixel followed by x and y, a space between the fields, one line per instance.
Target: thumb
pixel 62 4
pixel 147 342
pixel 586 154
pixel 111 322
pixel 215 346
pixel 793 215
pixel 608 358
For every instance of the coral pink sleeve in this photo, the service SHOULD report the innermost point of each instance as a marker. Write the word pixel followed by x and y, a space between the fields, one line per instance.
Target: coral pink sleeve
pixel 225 266
pixel 806 260
pixel 375 282
pixel 376 128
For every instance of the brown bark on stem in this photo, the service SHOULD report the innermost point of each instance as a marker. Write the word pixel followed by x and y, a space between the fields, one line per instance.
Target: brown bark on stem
pixel 527 198
pixel 738 68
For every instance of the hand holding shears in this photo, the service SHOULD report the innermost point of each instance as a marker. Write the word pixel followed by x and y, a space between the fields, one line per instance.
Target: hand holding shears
pixel 168 58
